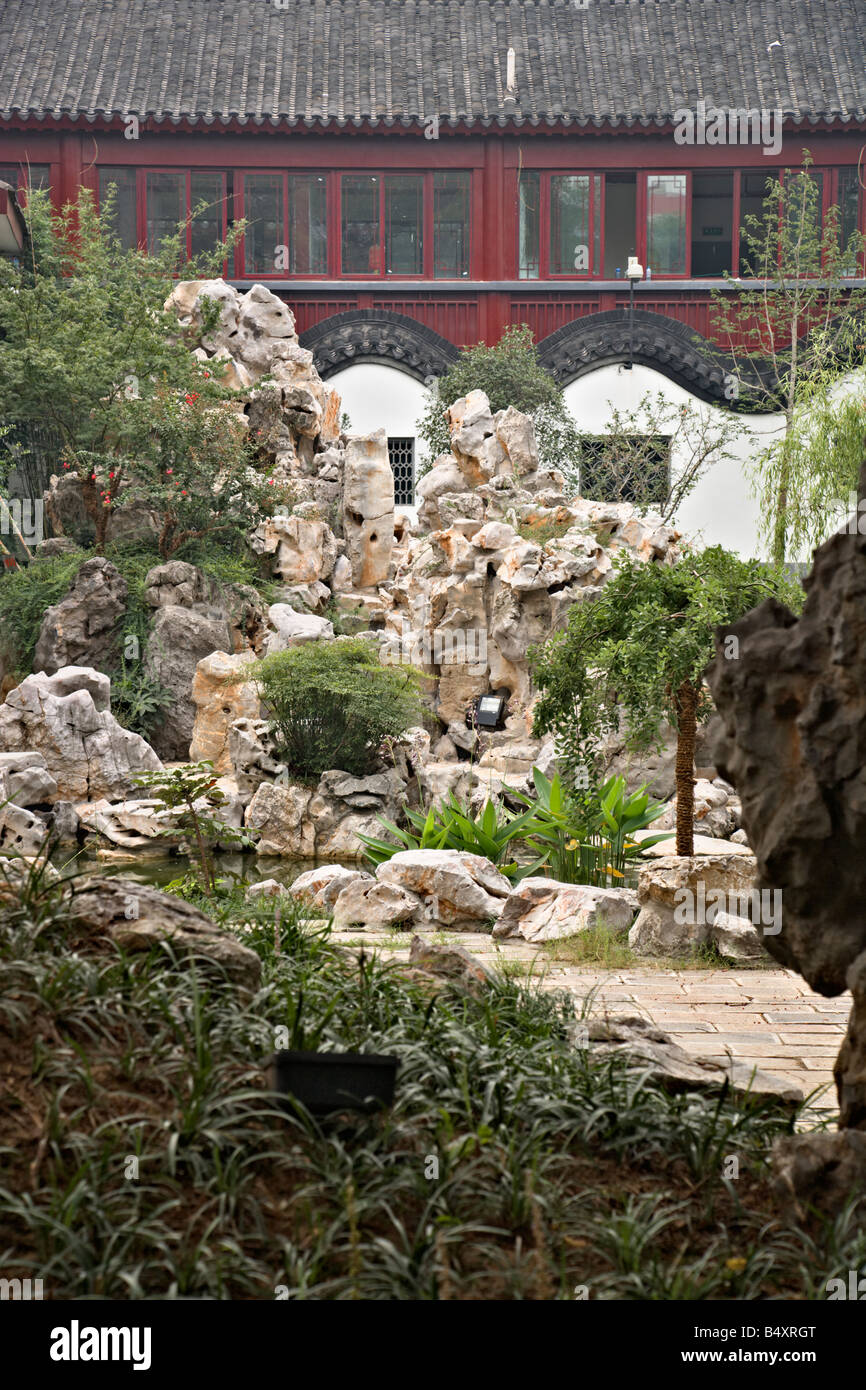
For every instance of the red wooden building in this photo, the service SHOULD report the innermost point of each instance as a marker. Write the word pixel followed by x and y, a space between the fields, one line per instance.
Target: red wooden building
pixel 418 174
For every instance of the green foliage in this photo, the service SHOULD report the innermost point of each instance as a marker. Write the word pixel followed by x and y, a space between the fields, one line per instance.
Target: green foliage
pixel 792 325
pixel 627 653
pixel 333 704
pixel 451 825
pixel 190 793
pixel 138 699
pixel 153 1057
pixel 586 837
pixel 509 374
pixel 88 347
pixel 25 594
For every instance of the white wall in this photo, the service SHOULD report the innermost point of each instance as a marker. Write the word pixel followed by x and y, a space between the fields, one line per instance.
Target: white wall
pixel 379 397
pixel 721 509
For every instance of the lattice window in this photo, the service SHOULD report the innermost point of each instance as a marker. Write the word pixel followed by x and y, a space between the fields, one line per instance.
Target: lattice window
pixel 401 452
pixel 626 468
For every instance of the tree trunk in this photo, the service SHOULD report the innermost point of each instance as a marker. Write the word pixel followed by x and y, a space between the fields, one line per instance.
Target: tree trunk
pixel 687 725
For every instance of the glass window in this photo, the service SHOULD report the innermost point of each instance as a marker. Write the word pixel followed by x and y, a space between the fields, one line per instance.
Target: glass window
pixel 569 225
pixel 451 225
pixel 22 176
pixel 263 214
pixel 753 194
pixel 308 224
pixel 529 194
pixel 804 210
pixel 166 207
pixel 124 214
pixel 712 223
pixel 666 213
pixel 404 219
pixel 207 211
pixel 361 246
pixel 849 204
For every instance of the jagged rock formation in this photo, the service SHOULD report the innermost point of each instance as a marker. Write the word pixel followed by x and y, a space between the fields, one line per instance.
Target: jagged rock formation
pixel 793 737
pixel 67 718
pixel 84 628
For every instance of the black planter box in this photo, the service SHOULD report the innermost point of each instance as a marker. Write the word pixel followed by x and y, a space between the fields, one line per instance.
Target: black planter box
pixel 326 1082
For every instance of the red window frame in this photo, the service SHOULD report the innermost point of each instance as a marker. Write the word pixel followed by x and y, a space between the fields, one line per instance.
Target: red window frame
pixel 239 177
pixel 141 198
pixel 642 236
pixel 595 272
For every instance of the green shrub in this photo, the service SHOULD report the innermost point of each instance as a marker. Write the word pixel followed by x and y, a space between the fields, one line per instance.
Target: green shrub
pixel 509 374
pixel 24 596
pixel 332 704
pixel 452 825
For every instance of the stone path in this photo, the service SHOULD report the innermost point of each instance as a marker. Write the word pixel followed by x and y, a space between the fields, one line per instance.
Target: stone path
pixel 768 1018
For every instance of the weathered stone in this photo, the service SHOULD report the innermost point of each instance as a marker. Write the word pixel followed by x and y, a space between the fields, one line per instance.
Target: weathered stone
pixel 222 693
pixel 32 787
pixel 366 903
pixel 321 887
pixel 679 897
pixel 637 1042
pixel 457 889
pixel 736 937
pixel 302 550
pixel 179 639
pixel 292 629
pixel 820 1172
pixel 137 917
pixel 66 718
pixel 368 508
pixel 452 963
pixel 541 909
pixel 280 815
pixel 83 629
pixel 252 754
pixel 21 832
pixel 175 583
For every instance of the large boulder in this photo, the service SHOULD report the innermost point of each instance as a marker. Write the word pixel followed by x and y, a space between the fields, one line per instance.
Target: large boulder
pixel 680 897
pixel 67 718
pixel 302 550
pixel 179 639
pixel 252 752
pixel 83 629
pixel 222 692
pixel 372 904
pixel 302 822
pixel 457 889
pixel 791 694
pixel 541 909
pixel 293 629
pixel 136 918
pixel 368 508
pixel 321 887
pixel 27 779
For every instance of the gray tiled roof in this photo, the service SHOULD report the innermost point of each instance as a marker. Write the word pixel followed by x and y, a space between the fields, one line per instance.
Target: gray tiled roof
pixel 398 62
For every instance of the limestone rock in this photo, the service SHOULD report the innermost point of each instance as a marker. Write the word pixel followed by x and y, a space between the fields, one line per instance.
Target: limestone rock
pixel 302 550
pixel 83 629
pixel 321 887
pixel 642 1044
pixel 66 717
pixel 27 779
pixel 457 889
pixel 222 693
pixel 452 963
pixel 367 903
pixel 292 629
pixel 252 754
pixel 21 832
pixel 279 813
pixel 541 909
pixel 679 897
pixel 180 638
pixel 820 1172
pixel 137 917
pixel 368 508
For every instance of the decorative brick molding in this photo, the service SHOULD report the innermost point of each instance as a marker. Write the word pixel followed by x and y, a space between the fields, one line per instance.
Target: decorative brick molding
pixel 378 335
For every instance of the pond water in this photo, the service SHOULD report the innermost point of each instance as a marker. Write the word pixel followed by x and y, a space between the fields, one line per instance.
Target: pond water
pixel 158 870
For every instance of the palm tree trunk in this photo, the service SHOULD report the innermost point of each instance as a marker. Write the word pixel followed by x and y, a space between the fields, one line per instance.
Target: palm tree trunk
pixel 687 725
